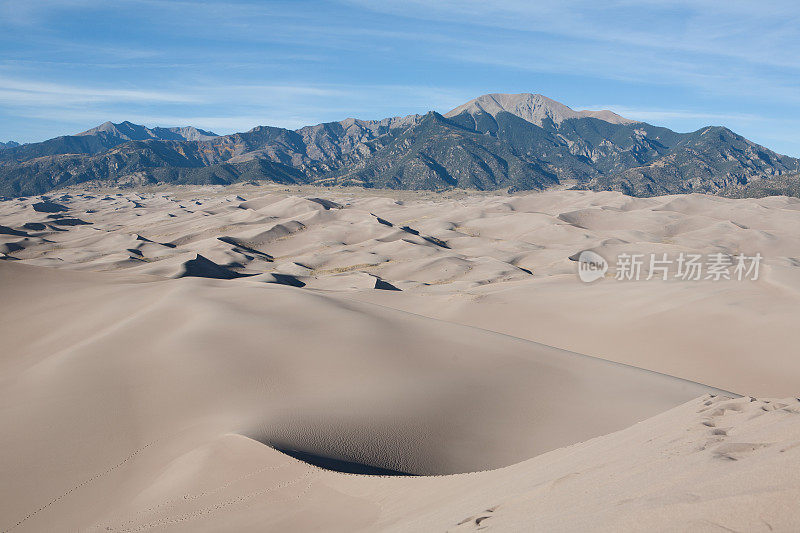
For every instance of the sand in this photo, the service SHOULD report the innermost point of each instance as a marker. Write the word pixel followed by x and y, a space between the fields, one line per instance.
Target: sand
pixel 161 346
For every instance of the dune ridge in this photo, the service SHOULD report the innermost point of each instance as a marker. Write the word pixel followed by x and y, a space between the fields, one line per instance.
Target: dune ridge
pixel 632 480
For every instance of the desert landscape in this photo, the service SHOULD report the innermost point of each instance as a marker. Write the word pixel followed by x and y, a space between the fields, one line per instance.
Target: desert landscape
pixel 273 357
pixel 402 266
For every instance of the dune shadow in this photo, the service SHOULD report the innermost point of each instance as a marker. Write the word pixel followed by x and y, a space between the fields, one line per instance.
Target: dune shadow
pixel 286 279
pixel 327 204
pixel 48 207
pixel 70 222
pixel 201 267
pixel 339 465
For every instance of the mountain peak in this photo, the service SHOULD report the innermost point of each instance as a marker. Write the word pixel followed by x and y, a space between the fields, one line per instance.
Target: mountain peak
pixel 534 108
pixel 125 130
pixel 188 133
pixel 128 131
pixel 9 144
pixel 105 126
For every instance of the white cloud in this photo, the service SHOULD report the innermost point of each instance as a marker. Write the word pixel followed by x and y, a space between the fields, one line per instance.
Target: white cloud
pixel 763 35
pixel 220 107
pixel 29 92
pixel 647 115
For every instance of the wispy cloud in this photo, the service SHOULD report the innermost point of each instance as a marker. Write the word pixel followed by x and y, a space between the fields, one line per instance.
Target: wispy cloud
pixel 671 114
pixel 234 64
pixel 633 66
pixel 734 28
pixel 29 92
pixel 233 107
pixel 218 124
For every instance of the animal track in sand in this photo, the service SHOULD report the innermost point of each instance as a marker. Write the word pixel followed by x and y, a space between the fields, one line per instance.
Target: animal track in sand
pixel 198 495
pixel 220 506
pixel 83 483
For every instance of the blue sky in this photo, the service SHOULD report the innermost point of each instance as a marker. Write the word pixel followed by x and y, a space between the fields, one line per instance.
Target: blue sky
pixel 66 66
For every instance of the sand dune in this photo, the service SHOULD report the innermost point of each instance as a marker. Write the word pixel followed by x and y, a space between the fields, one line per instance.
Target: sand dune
pixel 156 358
pixel 495 262
pixel 710 465
pixel 291 369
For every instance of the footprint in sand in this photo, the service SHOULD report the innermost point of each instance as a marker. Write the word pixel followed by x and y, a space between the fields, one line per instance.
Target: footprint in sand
pixel 735 409
pixel 734 451
pixel 475 522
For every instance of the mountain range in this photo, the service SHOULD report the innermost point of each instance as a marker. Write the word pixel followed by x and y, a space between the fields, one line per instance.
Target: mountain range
pixel 497 141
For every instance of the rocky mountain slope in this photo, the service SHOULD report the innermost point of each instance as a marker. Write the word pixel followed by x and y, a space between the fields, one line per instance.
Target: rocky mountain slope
pixel 515 142
pixel 97 140
pixel 785 184
pixel 534 108
pixel 127 131
pixel 8 144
